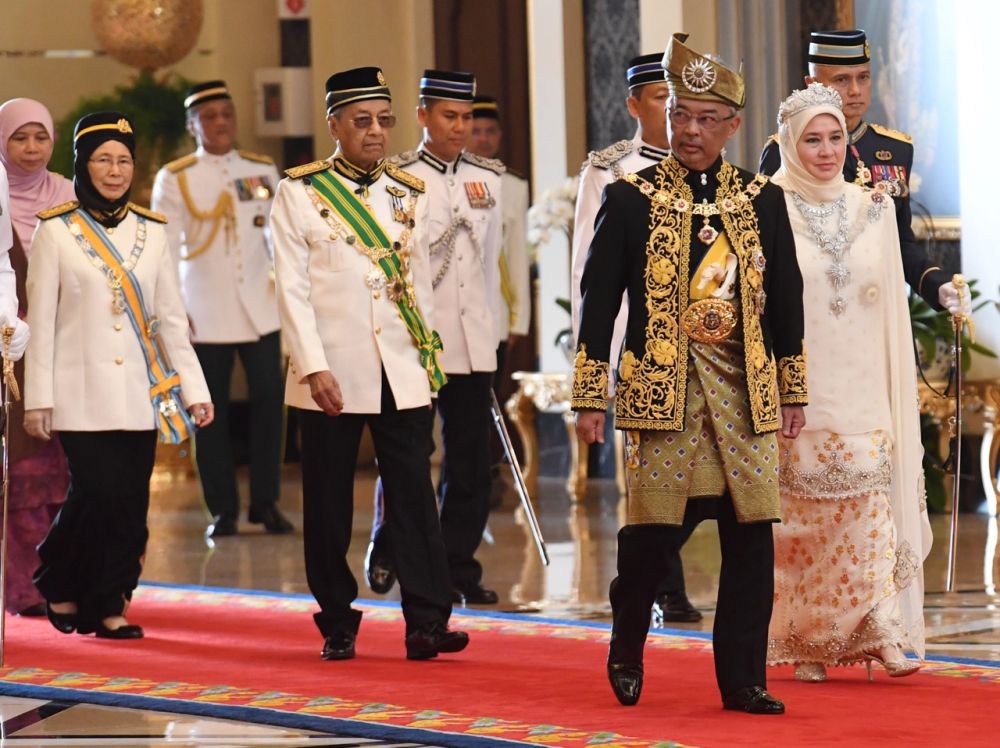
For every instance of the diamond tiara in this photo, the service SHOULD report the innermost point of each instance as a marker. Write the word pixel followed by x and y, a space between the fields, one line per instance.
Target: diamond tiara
pixel 816 94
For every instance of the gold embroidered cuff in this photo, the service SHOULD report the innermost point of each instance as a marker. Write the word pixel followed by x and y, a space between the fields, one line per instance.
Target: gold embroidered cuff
pixel 590 381
pixel 920 283
pixel 792 380
pixel 588 403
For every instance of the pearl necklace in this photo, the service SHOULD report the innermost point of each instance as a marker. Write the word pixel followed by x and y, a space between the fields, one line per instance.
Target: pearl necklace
pixel 836 245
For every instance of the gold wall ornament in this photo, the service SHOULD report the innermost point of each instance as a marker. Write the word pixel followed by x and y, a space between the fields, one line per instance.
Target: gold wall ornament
pixel 147 34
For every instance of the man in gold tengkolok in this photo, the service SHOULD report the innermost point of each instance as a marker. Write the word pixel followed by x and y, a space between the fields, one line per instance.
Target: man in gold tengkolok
pixel 877 156
pixel 356 304
pixel 712 366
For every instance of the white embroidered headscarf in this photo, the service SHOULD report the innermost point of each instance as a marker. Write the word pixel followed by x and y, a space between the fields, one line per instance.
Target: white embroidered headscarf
pixel 794 116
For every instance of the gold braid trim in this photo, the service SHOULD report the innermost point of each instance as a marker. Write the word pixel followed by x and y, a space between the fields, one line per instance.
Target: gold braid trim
pixel 653 389
pixel 224 213
pixel 590 382
pixel 740 221
pixel 792 379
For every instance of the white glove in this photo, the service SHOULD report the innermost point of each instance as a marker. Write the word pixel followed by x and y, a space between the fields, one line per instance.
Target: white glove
pixel 19 340
pixel 955 301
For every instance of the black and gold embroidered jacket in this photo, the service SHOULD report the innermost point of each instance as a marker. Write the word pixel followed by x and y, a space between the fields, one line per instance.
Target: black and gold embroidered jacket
pixel 880 155
pixel 646 244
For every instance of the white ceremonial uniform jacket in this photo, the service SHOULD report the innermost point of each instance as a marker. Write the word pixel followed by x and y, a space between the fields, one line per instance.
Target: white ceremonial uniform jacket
pixel 332 318
pixel 226 284
pixel 8 286
pixel 464 202
pixel 515 251
pixel 599 170
pixel 85 361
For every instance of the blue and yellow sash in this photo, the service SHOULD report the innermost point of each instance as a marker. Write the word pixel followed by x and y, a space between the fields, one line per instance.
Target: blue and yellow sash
pixel 173 422
pixel 359 219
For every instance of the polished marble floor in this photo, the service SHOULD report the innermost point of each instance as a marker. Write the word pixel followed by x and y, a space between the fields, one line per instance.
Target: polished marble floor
pixel 580 538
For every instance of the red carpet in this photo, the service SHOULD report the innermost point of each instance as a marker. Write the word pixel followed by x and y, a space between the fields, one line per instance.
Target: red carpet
pixel 218 653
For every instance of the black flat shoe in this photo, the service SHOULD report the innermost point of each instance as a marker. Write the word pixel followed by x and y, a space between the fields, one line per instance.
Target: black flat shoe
pixel 753 700
pixel 338 646
pixel 433 639
pixel 38 610
pixel 274 521
pixel 128 631
pixel 64 623
pixel 474 595
pixel 626 682
pixel 378 568
pixel 675 608
pixel 221 527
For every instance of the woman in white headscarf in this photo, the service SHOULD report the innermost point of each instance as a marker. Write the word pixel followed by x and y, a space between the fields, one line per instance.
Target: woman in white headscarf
pixel 854 532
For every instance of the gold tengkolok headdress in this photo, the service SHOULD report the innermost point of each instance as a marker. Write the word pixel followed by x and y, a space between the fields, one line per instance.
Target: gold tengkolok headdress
pixel 691 75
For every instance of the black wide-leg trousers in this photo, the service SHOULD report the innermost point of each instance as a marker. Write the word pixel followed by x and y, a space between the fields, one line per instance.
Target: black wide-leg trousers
pixel 402 440
pixel 92 554
pixel 746 590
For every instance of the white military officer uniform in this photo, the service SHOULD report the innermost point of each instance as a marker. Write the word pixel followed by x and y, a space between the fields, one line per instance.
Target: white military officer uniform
pixel 335 317
pixel 217 209
pixel 599 170
pixel 516 283
pixel 466 236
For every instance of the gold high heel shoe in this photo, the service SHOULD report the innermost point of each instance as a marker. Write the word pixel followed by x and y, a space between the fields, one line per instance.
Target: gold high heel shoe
pixel 895 668
pixel 810 672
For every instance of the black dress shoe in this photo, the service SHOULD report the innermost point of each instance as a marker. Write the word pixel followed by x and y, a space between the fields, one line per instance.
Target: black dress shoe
pixel 675 608
pixel 474 594
pixel 626 682
pixel 64 623
pixel 433 639
pixel 38 610
pixel 755 700
pixel 221 527
pixel 273 520
pixel 338 646
pixel 378 567
pixel 128 631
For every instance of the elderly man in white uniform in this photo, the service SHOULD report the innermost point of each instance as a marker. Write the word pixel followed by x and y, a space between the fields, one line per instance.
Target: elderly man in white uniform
pixel 354 293
pixel 646 102
pixel 217 201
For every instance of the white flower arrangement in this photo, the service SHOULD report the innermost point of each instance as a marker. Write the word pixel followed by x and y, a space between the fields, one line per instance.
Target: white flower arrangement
pixel 553 212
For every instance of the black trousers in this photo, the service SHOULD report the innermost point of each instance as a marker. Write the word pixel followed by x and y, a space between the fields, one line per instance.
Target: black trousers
pixel 213 445
pixel 92 553
pixel 464 489
pixel 746 589
pixel 402 446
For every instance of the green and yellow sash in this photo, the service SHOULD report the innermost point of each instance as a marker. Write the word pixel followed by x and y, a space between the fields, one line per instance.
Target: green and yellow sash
pixel 172 420
pixel 359 219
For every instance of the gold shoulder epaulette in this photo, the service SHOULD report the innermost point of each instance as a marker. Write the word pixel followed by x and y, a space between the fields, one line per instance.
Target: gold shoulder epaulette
pixel 890 133
pixel 306 169
pixel 772 139
pixel 405 158
pixel 404 177
pixel 493 164
pixel 58 210
pixel 608 157
pixel 152 215
pixel 260 158
pixel 181 163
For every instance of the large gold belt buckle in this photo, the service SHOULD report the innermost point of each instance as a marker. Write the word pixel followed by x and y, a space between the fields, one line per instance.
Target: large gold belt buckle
pixel 709 320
